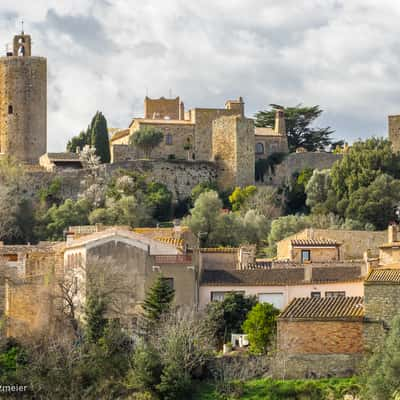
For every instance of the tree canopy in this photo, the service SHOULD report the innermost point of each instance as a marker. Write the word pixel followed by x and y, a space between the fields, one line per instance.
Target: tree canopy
pixel 260 326
pixel 96 135
pixel 146 139
pixel 299 126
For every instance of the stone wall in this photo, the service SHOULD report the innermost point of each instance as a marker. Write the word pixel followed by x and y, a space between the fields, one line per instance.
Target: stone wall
pixel 272 144
pixel 28 306
pixel 315 365
pixel 394 131
pixel 320 337
pixel 295 162
pixel 23 107
pixel 179 176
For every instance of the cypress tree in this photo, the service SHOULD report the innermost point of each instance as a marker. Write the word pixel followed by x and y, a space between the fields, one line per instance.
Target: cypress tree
pixel 99 137
pixel 158 300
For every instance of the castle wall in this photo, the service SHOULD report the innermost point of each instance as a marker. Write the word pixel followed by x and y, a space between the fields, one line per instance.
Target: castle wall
pixel 23 107
pixel 179 176
pixel 295 162
pixel 233 151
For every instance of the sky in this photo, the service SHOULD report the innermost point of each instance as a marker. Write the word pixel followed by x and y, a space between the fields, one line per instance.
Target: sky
pixel 108 54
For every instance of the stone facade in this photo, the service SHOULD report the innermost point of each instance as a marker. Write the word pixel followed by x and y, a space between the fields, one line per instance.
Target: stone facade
pixel 23 104
pixel 164 108
pixel 177 142
pixel 320 337
pixel 233 150
pixel 353 243
pixel 394 131
pixel 382 303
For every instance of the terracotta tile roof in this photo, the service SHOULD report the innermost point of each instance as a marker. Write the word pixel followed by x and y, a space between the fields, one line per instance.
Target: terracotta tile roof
pixel 336 273
pixel 252 277
pixel 383 276
pixel 278 276
pixel 170 240
pixel 326 308
pixel 314 242
pixel 219 250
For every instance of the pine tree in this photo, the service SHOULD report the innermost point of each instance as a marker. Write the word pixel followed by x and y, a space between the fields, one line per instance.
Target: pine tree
pixel 99 137
pixel 94 312
pixel 159 299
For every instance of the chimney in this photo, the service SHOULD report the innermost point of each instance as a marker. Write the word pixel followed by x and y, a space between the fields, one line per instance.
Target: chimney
pixel 280 127
pixel 392 233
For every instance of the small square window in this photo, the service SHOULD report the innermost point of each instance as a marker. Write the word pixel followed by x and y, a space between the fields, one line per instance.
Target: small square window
pixel 316 295
pixel 10 109
pixel 305 256
pixel 169 282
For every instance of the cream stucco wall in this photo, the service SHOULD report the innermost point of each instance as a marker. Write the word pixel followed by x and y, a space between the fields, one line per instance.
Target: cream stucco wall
pixel 289 292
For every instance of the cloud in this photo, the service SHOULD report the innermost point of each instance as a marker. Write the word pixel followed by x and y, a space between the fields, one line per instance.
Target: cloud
pixel 106 55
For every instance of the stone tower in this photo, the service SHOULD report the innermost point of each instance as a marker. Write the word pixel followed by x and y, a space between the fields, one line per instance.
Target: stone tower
pixel 23 102
pixel 394 132
pixel 233 150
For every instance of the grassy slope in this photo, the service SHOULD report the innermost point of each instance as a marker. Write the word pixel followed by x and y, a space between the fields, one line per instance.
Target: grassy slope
pixel 267 389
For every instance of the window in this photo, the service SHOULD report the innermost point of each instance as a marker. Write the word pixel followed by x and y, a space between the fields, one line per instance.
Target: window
pixel 316 295
pixel 218 296
pixel 10 109
pixel 335 294
pixel 168 139
pixel 276 299
pixel 305 256
pixel 169 281
pixel 259 148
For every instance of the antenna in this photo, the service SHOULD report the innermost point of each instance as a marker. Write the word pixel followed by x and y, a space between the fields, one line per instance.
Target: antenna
pixel 22 27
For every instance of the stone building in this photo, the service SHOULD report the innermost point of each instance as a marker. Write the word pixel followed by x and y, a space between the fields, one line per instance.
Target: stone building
pixel 337 243
pixel 271 140
pixel 23 102
pixel 320 337
pixel 222 135
pixel 280 285
pixel 116 260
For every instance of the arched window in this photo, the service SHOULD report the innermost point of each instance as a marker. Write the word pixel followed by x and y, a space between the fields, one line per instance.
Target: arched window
pixel 168 139
pixel 259 148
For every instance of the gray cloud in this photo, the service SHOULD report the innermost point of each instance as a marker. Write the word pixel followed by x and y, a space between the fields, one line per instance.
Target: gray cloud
pixel 107 54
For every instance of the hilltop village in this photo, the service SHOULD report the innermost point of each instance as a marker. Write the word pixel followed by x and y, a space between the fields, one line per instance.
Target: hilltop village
pixel 334 284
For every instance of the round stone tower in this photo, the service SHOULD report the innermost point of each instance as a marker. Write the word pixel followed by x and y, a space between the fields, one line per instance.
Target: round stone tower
pixel 23 102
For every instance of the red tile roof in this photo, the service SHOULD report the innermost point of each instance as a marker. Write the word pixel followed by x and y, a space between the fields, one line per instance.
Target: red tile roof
pixel 383 276
pixel 326 308
pixel 314 242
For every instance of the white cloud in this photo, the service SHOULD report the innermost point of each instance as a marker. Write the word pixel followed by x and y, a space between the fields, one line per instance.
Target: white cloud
pixel 105 54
